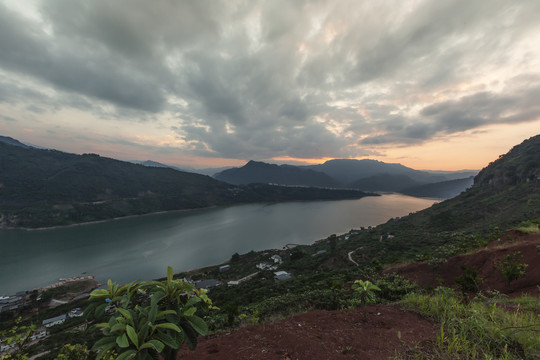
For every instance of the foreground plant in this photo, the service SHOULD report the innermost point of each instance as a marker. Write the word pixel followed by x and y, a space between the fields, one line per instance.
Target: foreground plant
pixel 149 318
pixel 365 291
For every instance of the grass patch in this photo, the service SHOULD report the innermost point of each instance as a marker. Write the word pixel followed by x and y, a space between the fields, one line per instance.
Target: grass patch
pixel 530 227
pixel 479 329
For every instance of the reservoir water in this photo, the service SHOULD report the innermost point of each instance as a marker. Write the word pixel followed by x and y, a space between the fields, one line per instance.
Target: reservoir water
pixel 142 247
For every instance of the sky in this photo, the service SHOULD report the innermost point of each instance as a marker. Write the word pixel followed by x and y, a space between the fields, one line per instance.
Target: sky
pixel 441 85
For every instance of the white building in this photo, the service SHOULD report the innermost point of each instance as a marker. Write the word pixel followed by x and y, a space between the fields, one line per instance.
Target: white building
pixel 54 321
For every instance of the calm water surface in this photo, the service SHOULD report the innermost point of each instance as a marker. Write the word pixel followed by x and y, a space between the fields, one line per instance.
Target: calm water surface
pixel 142 247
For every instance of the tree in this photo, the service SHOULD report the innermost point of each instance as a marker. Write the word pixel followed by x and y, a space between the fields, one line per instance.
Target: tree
pixel 365 291
pixel 511 268
pixel 149 318
pixel 468 280
pixel 18 336
pixel 73 352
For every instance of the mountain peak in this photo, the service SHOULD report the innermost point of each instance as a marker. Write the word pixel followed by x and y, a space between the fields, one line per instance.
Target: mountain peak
pixel 520 165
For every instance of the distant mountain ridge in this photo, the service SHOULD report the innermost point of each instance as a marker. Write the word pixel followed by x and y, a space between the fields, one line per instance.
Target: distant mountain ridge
pixel 365 175
pixel 43 188
pixel 260 172
pixel 14 142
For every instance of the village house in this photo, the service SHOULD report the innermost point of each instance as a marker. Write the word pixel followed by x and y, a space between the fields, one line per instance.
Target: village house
pixel 206 284
pixel 282 275
pixel 57 320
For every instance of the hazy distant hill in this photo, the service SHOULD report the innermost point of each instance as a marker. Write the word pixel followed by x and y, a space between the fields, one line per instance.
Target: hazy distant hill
pixel 443 190
pixel 47 187
pixel 365 175
pixel 384 182
pixel 348 171
pixel 260 172
pixel 504 193
pixel 150 163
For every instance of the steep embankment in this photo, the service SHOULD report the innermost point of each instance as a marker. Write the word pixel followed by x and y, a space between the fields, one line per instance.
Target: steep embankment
pixel 486 261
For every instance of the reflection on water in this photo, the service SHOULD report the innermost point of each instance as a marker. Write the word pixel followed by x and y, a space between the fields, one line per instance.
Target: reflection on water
pixel 141 248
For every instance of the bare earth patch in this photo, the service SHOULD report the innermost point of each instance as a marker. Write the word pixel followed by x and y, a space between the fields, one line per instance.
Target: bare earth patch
pixel 370 332
pixel 484 261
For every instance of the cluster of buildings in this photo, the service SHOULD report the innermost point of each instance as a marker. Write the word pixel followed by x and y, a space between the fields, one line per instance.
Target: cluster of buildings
pixel 272 264
pixel 13 302
pixel 42 331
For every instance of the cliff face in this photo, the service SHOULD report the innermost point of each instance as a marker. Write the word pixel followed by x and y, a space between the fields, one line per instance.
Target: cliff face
pixel 519 165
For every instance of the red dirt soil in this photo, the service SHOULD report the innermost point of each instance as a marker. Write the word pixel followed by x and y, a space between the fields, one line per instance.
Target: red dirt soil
pixel 485 262
pixel 370 332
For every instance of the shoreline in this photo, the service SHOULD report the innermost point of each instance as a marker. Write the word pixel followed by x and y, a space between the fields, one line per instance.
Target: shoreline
pixel 163 212
pixel 105 220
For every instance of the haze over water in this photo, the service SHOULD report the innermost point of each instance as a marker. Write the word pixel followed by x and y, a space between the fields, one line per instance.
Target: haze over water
pixel 142 247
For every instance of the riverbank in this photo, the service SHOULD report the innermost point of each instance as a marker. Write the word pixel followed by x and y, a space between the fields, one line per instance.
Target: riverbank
pixel 2 227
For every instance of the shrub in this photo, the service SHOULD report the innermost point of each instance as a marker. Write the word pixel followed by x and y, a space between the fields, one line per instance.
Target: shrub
pixel 468 281
pixel 511 268
pixel 149 318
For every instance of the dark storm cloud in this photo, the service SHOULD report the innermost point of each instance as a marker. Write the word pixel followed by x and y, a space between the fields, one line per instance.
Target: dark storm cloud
pixel 260 79
pixel 519 104
pixel 27 50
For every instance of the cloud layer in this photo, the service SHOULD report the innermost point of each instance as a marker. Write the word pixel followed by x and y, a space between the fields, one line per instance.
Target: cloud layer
pixel 263 79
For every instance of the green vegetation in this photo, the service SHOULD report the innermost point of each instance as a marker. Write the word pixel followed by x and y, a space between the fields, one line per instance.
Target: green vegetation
pixel 43 188
pixel 479 329
pixel 468 281
pixel 18 336
pixel 530 226
pixel 511 268
pixel 149 318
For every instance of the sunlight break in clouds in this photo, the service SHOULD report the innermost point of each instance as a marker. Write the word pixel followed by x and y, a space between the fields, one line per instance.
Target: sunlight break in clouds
pixel 430 84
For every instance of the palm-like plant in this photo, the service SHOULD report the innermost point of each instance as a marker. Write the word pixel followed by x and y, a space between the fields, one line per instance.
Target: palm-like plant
pixel 365 291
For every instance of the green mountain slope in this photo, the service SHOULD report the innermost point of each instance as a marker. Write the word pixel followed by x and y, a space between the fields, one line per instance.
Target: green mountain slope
pixel 40 188
pixel 444 189
pixel 504 194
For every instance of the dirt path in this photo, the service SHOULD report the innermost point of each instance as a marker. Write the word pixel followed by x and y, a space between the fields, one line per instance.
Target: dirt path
pixel 349 255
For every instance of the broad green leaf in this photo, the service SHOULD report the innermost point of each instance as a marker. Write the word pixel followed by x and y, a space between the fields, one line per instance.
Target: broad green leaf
pixel 189 312
pixel 126 355
pixel 192 301
pixel 125 313
pixel 122 341
pixel 153 344
pixel 163 313
pixel 100 310
pixel 157 296
pixel 118 326
pixel 168 340
pixel 98 293
pixel 143 333
pixel 106 341
pixel 132 335
pixel 169 326
pixel 198 324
